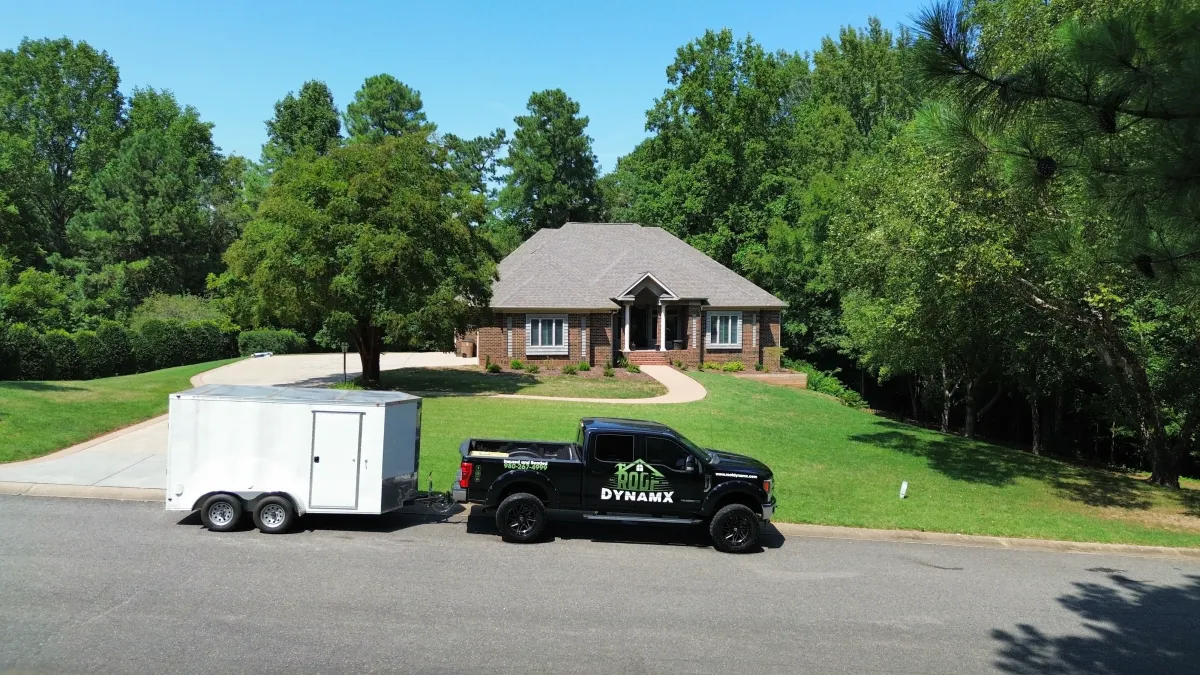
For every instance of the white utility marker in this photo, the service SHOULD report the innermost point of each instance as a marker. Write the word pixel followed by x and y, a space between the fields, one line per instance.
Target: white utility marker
pixel 903 489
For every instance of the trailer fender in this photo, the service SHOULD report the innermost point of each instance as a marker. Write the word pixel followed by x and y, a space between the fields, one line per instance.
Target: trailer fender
pixel 250 499
pixel 522 480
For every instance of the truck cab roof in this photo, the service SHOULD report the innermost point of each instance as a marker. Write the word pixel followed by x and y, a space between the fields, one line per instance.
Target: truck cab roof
pixel 621 424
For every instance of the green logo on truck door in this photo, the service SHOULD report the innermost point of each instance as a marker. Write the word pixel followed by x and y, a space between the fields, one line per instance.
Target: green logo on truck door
pixel 637 481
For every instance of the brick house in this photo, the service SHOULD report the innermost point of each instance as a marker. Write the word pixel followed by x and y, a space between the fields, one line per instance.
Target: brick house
pixel 598 291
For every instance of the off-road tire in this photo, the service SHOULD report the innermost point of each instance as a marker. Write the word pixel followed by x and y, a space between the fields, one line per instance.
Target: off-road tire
pixel 734 529
pixel 521 518
pixel 221 512
pixel 274 515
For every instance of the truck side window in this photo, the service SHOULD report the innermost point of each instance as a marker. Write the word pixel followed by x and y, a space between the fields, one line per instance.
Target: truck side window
pixel 665 452
pixel 613 448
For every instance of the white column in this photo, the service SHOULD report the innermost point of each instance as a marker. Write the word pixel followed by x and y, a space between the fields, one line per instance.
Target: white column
pixel 625 333
pixel 662 326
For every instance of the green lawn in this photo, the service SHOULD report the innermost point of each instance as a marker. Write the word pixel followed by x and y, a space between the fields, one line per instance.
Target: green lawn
pixel 839 466
pixel 40 417
pixel 591 384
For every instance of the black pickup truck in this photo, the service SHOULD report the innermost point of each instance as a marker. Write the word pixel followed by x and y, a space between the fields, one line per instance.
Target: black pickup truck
pixel 619 470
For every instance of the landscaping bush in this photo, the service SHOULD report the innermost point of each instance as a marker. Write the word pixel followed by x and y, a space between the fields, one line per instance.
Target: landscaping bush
pixel 181 308
pixel 584 366
pixel 90 352
pixel 493 367
pixel 159 344
pixel 608 371
pixel 532 368
pixel 32 359
pixel 271 340
pixel 205 341
pixel 709 365
pixel 759 367
pixel 679 364
pixel 116 351
pixel 826 382
pixel 63 355
pixel 633 368
pixel 516 364
pixel 569 370
pixel 733 367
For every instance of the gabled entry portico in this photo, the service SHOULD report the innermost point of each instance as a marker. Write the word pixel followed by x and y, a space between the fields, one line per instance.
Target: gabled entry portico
pixel 650 314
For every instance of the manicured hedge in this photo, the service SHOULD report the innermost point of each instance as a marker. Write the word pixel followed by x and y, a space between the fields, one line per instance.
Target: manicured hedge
pixel 114 349
pixel 268 340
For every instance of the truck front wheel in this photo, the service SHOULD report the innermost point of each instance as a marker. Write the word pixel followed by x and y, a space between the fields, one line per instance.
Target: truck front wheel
pixel 521 517
pixel 734 529
pixel 221 512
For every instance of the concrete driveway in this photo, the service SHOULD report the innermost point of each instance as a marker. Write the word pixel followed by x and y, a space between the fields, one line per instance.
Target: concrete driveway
pixel 129 462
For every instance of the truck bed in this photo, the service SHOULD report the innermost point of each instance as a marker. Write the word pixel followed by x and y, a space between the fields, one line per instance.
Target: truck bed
pixel 489 447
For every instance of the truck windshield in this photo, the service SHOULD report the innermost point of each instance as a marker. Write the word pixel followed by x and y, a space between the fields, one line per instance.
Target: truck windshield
pixel 700 452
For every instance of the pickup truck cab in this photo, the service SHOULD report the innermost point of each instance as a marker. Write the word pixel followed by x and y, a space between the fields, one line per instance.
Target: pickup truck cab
pixel 618 470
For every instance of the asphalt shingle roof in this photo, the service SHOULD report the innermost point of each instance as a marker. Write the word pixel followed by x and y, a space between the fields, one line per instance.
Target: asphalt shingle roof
pixel 585 265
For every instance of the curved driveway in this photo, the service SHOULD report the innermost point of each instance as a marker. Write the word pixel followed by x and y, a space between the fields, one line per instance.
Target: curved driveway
pixel 131 463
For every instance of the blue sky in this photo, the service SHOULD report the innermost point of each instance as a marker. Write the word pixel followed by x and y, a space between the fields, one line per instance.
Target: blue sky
pixel 475 63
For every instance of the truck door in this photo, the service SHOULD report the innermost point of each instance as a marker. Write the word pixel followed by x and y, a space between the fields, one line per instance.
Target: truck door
pixel 609 456
pixel 337 438
pixel 679 469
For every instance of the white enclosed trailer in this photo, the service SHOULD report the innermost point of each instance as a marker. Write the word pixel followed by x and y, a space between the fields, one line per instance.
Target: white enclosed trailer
pixel 281 452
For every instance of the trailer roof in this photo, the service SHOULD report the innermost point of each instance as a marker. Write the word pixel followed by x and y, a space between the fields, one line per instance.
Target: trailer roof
pixel 297 395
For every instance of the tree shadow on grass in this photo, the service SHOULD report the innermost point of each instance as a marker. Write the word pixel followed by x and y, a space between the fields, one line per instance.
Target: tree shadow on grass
pixel 455 381
pixel 37 386
pixel 1127 627
pixel 975 462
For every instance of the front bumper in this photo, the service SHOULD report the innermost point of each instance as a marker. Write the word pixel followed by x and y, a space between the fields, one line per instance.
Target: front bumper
pixel 768 510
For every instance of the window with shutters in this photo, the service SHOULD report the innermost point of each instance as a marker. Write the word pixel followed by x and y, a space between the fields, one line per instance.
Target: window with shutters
pixel 546 334
pixel 724 330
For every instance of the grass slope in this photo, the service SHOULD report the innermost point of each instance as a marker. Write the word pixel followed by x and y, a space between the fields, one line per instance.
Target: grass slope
pixel 474 381
pixel 839 466
pixel 40 417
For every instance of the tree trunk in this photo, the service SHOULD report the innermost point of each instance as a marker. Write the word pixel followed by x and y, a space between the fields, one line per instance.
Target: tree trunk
pixel 947 399
pixel 969 410
pixel 368 340
pixel 1163 459
pixel 1035 425
pixel 912 398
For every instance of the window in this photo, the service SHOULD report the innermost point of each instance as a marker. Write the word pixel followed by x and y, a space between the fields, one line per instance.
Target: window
pixel 665 452
pixel 724 330
pixel 613 448
pixel 546 334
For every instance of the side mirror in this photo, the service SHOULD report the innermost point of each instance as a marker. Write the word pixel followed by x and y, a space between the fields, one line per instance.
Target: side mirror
pixel 689 464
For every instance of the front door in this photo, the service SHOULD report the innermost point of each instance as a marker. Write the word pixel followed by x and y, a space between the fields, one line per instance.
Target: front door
pixel 336 445
pixel 681 472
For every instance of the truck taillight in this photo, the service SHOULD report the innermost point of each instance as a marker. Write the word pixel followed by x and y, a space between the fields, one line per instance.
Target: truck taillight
pixel 464 474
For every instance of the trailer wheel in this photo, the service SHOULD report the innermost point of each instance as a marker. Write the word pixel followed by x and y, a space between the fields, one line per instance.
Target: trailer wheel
pixel 734 529
pixel 521 518
pixel 221 512
pixel 274 515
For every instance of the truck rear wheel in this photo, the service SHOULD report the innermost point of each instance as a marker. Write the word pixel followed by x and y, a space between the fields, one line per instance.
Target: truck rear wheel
pixel 274 515
pixel 221 512
pixel 521 518
pixel 734 529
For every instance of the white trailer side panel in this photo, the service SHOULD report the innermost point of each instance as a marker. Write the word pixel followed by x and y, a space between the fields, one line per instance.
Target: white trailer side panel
pixel 325 449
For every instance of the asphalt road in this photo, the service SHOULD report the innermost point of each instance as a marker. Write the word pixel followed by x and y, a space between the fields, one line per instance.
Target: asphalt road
pixel 123 587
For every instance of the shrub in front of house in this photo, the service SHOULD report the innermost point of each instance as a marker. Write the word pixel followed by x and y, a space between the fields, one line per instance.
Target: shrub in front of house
pixel 516 364
pixel 569 370
pixel 584 366
pixel 633 368
pixel 493 367
pixel 271 340
pixel 679 364
pixel 733 367
pixel 532 368
pixel 608 371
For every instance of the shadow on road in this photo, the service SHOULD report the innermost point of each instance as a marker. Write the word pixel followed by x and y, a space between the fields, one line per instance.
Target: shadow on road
pixel 1127 627
pixel 572 526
